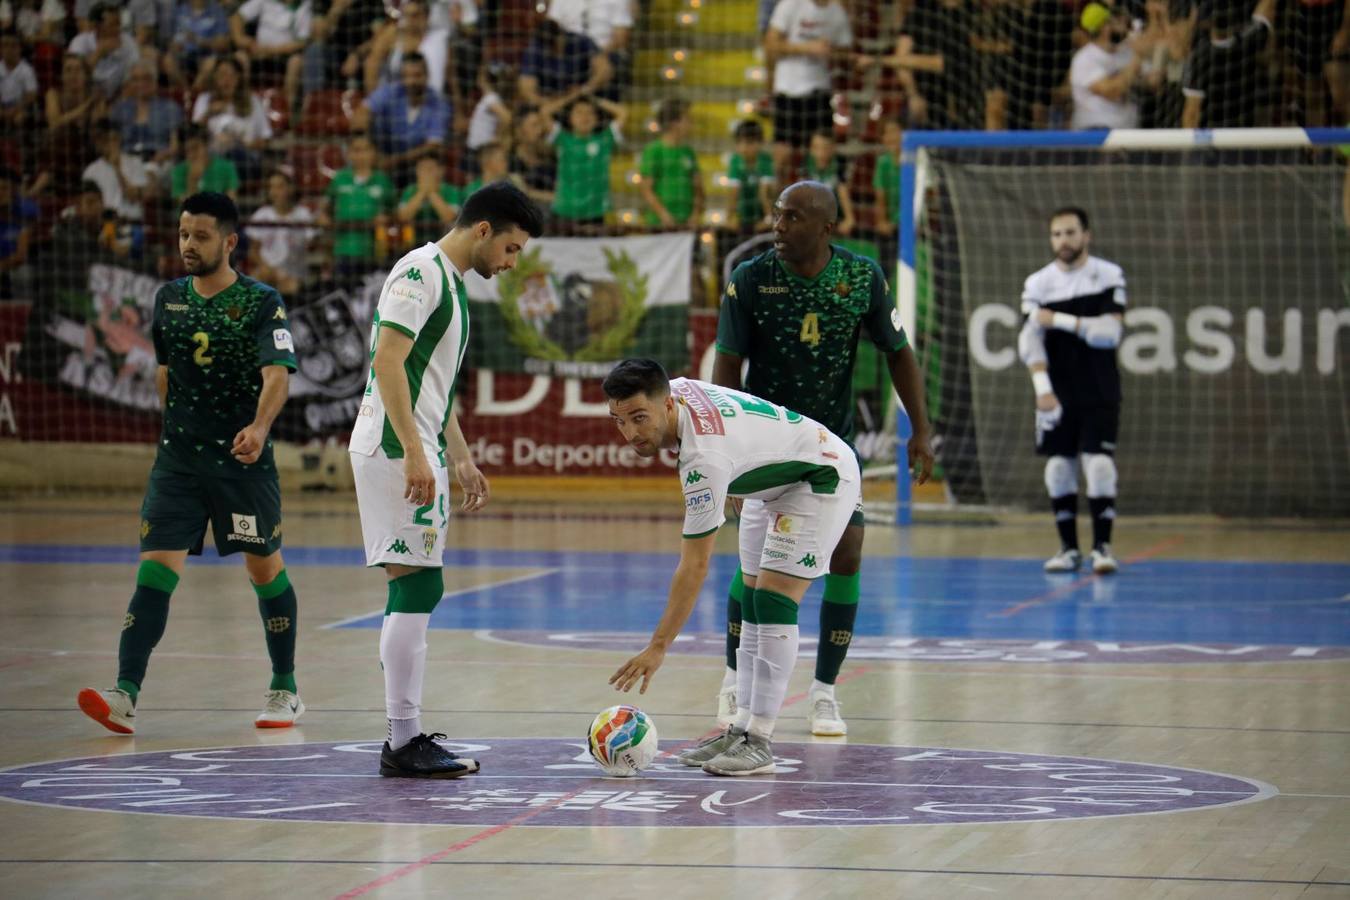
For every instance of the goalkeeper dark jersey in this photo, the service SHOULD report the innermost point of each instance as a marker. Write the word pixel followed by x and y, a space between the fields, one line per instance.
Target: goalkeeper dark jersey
pixel 1081 375
pixel 215 349
pixel 801 336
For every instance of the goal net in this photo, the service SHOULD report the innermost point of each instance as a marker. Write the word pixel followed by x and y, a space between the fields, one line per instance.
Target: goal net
pixel 1237 267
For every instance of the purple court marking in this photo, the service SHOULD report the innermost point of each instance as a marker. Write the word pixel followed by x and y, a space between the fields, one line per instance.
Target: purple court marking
pixel 948 649
pixel 815 784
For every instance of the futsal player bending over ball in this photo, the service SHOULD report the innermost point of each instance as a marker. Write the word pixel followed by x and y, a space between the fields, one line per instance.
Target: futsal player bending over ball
pixel 1075 318
pixel 225 353
pixel 805 478
pixel 404 430
pixel 795 313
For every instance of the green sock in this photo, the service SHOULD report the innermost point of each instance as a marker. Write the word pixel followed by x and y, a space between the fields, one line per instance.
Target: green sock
pixel 144 624
pixel 838 611
pixel 735 600
pixel 416 593
pixel 773 608
pixel 277 607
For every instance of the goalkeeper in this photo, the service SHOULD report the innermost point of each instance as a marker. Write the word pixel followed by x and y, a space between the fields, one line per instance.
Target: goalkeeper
pixel 1075 318
pixel 795 314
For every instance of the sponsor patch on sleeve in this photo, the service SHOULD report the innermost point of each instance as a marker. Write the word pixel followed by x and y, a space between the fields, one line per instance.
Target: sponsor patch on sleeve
pixel 408 291
pixel 281 338
pixel 696 502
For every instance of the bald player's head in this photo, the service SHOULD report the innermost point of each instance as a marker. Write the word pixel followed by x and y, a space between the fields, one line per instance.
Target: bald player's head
pixel 803 221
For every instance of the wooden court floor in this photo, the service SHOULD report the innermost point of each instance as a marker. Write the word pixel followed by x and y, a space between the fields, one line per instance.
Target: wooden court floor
pixel 1182 731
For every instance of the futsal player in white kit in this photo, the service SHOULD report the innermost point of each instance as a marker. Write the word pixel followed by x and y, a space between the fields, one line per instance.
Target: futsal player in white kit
pixel 800 483
pixel 404 432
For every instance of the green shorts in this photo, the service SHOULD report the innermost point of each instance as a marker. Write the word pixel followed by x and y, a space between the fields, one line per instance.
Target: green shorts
pixel 245 513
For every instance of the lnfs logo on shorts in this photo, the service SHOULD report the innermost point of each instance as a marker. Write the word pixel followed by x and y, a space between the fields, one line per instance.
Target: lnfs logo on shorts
pixel 244 529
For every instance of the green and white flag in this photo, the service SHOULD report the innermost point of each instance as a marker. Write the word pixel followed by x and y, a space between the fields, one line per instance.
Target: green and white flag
pixel 573 307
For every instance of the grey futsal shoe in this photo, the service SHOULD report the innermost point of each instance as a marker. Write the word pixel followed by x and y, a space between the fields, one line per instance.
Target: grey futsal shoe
pixel 697 756
pixel 751 755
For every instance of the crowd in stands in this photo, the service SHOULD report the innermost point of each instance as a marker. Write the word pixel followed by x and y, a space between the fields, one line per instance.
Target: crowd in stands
pixel 350 129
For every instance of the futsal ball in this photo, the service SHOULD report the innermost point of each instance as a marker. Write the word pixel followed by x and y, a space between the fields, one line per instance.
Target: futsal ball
pixel 622 740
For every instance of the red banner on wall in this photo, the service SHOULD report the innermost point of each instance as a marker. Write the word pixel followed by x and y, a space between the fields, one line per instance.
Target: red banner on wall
pixel 522 424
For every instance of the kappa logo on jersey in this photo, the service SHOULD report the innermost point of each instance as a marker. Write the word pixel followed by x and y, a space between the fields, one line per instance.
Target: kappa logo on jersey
pixel 731 290
pixel 279 314
pixel 245 529
pixel 398 546
pixel 808 560
pixel 282 340
pixel 415 274
pixel 145 529
pixel 693 477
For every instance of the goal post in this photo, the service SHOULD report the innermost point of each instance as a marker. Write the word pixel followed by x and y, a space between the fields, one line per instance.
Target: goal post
pixel 1236 255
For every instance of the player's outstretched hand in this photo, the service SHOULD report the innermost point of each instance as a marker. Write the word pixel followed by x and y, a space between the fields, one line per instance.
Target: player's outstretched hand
pixel 643 666
pixel 248 444
pixel 921 457
pixel 419 482
pixel 475 484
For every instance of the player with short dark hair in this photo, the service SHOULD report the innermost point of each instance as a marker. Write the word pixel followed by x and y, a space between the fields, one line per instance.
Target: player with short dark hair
pixel 1075 319
pixel 806 482
pixel 796 313
pixel 404 430
pixel 224 349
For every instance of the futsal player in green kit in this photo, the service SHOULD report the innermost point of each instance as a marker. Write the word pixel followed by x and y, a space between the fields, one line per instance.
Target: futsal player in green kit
pixel 795 313
pixel 225 352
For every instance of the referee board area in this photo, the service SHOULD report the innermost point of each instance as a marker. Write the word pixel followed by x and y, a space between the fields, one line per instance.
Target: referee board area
pixel 1179 730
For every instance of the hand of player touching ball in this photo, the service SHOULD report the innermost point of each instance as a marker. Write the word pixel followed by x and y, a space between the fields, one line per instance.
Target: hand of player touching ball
pixel 419 483
pixel 475 485
pixel 248 444
pixel 643 666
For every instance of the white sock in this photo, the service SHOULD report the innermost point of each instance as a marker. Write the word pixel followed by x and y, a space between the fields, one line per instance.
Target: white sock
pixel 820 687
pixel 729 677
pixel 403 655
pixel 777 656
pixel 745 672
pixel 402 731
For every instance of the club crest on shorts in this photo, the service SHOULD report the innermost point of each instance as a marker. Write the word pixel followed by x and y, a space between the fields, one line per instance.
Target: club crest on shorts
pixel 428 540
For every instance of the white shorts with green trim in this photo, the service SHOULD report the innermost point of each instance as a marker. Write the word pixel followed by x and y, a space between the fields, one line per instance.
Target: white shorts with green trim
pixel 796 532
pixel 395 530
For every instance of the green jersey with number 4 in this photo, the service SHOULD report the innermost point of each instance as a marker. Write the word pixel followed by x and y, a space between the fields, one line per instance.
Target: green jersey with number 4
pixel 215 348
pixel 801 335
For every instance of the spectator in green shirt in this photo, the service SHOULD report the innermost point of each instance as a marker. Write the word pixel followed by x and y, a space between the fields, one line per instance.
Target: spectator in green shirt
pixel 359 199
pixel 751 168
pixel 830 170
pixel 670 183
pixel 429 205
pixel 200 169
pixel 494 165
pixel 886 180
pixel 581 197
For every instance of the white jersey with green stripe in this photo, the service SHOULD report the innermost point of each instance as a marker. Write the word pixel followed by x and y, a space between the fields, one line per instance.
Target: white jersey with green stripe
pixel 424 298
pixel 734 444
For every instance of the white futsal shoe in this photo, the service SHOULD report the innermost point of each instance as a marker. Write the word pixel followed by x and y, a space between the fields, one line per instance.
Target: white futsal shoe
pixel 281 711
pixel 1064 561
pixel 1103 563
